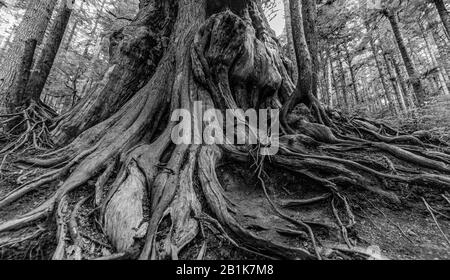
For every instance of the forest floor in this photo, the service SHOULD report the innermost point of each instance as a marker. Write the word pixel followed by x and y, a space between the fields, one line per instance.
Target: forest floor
pixel 405 231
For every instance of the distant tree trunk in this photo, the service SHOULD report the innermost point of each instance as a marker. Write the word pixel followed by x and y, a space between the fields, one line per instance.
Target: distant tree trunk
pixel 443 51
pixel 32 27
pixel 405 89
pixel 73 29
pixel 50 48
pixel 395 84
pixel 352 74
pixel 387 94
pixel 309 13
pixel 414 77
pixel 343 80
pixel 333 76
pixel 443 80
pixel 443 14
pixel 290 40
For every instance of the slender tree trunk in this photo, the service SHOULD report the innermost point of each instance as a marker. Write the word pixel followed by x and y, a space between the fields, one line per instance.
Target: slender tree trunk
pixel 441 76
pixel 414 77
pixel 395 84
pixel 309 13
pixel 405 89
pixel 387 94
pixel 303 55
pixel 32 27
pixel 343 79
pixel 333 77
pixel 443 14
pixel 352 75
pixel 290 40
pixel 50 49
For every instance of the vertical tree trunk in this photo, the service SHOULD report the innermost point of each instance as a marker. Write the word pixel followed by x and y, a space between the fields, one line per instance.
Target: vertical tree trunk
pixel 414 77
pixel 333 77
pixel 395 84
pixel 387 94
pixel 290 40
pixel 33 26
pixel 343 80
pixel 304 61
pixel 19 94
pixel 443 14
pixel 352 74
pixel 51 46
pixel 442 80
pixel 309 12
pixel 405 89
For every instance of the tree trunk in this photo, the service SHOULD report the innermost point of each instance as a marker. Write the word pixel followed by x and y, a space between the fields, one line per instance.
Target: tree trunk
pixel 135 51
pixel 443 14
pixel 405 89
pixel 309 13
pixel 303 55
pixel 156 197
pixel 387 94
pixel 414 77
pixel 50 49
pixel 395 84
pixel 290 40
pixel 352 75
pixel 32 27
pixel 343 80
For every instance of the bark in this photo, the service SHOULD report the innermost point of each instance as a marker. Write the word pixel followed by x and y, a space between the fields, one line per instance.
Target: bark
pixel 343 80
pixel 387 94
pixel 135 50
pixel 414 77
pixel 394 83
pixel 19 92
pixel 441 71
pixel 352 75
pixel 32 27
pixel 290 40
pixel 304 59
pixel 153 197
pixel 443 14
pixel 309 13
pixel 404 86
pixel 50 49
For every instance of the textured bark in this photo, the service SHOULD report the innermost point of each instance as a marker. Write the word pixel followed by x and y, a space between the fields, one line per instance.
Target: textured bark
pixel 395 84
pixel 290 40
pixel 414 77
pixel 309 13
pixel 50 48
pixel 32 27
pixel 135 50
pixel 304 60
pixel 387 94
pixel 443 14
pixel 19 94
pixel 343 79
pixel 352 75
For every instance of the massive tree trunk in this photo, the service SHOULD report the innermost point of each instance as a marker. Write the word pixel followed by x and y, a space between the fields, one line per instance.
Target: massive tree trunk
pixel 32 27
pixel 135 51
pixel 50 48
pixel 414 77
pixel 443 14
pixel 154 195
